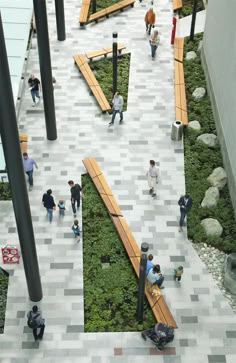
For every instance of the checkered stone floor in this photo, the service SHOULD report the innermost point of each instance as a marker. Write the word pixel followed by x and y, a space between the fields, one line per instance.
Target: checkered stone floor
pixel 207 325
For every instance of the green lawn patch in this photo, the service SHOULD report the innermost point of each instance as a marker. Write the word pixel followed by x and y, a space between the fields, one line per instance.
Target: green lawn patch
pixel 3 298
pixel 102 70
pixel 110 283
pixel 201 160
pixel 5 191
pixel 188 7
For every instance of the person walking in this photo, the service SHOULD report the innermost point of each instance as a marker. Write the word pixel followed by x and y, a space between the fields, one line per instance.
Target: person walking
pixel 61 207
pixel 75 190
pixel 117 107
pixel 34 87
pixel 149 19
pixel 154 42
pixel 185 203
pixel 178 272
pixel 152 175
pixel 76 230
pixel 29 164
pixel 49 204
pixel 35 322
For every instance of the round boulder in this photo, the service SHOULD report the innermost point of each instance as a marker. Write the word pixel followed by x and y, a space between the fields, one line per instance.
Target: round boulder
pixel 211 198
pixel 218 178
pixel 208 139
pixel 194 125
pixel 212 227
pixel 190 55
pixel 230 273
pixel 199 93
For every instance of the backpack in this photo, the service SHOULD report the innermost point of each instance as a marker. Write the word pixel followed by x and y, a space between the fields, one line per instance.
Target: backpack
pixel 32 323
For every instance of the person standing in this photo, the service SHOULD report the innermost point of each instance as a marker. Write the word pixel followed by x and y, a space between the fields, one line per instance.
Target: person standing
pixel 49 204
pixel 35 87
pixel 154 42
pixel 75 190
pixel 178 272
pixel 29 164
pixel 62 208
pixel 152 175
pixel 185 203
pixel 35 322
pixel 149 19
pixel 117 107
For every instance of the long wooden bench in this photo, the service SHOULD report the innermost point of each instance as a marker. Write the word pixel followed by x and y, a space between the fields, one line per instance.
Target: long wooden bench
pixel 177 4
pixel 157 303
pixel 180 95
pixel 23 142
pixel 103 51
pixel 111 9
pixel 179 49
pixel 84 12
pixel 93 84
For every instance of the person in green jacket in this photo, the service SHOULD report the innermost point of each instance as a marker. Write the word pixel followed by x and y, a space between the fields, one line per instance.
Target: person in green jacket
pixel 178 272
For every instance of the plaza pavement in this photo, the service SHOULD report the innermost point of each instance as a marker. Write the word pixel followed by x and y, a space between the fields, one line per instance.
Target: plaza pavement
pixel 207 324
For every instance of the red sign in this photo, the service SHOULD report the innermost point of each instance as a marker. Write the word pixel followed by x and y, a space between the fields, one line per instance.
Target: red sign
pixel 10 254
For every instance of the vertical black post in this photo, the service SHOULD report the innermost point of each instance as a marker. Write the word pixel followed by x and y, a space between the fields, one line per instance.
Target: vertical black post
pixel 114 62
pixel 194 13
pixel 141 285
pixel 45 67
pixel 13 158
pixel 60 18
pixel 94 4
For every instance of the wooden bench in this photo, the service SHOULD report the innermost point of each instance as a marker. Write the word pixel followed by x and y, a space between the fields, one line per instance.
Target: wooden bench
pixel 93 84
pixel 157 303
pixel 23 142
pixel 111 9
pixel 180 95
pixel 179 49
pixel 103 51
pixel 84 12
pixel 177 4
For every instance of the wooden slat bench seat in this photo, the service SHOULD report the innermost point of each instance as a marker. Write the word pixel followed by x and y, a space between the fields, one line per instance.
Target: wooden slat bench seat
pixel 180 95
pixel 88 75
pixel 177 4
pixel 111 9
pixel 179 49
pixel 103 52
pixel 157 303
pixel 84 12
pixel 23 142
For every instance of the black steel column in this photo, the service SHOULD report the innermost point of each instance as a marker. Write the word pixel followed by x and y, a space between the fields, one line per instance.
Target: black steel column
pixel 40 13
pixel 194 13
pixel 13 158
pixel 94 6
pixel 141 285
pixel 114 62
pixel 60 18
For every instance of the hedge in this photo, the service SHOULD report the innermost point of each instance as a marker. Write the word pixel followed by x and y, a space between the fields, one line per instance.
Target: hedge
pixel 3 298
pixel 186 10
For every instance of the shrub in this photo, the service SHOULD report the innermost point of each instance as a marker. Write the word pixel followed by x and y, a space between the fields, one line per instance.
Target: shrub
pixel 187 7
pixel 3 298
pixel 5 191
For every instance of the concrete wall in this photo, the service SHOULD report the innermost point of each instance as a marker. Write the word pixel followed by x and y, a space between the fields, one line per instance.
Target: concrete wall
pixel 219 61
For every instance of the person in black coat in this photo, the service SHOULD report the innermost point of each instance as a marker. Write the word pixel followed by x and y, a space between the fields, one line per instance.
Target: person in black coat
pixel 49 203
pixel 185 203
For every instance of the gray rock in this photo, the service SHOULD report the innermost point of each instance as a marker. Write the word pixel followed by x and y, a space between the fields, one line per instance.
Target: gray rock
pixel 195 125
pixel 230 273
pixel 212 227
pixel 218 178
pixel 208 139
pixel 211 198
pixel 199 93
pixel 190 55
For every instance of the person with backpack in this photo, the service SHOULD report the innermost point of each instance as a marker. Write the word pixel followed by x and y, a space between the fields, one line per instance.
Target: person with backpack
pixel 75 190
pixel 35 322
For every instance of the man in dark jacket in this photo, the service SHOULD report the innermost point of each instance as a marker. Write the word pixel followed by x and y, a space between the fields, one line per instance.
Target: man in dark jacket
pixel 49 204
pixel 75 190
pixel 35 318
pixel 185 203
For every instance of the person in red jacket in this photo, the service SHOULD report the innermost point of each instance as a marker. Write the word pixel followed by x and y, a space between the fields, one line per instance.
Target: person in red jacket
pixel 149 19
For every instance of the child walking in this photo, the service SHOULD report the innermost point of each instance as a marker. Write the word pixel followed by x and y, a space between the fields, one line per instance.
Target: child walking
pixel 178 272
pixel 76 230
pixel 62 208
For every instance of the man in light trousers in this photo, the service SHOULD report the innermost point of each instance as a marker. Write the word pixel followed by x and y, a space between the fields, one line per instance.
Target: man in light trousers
pixel 152 175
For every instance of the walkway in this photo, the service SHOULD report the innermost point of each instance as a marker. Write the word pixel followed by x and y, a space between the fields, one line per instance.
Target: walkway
pixel 207 325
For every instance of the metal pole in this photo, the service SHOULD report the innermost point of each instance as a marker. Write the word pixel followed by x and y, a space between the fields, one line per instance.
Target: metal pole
pixel 194 13
pixel 94 9
pixel 60 18
pixel 13 158
pixel 114 62
pixel 142 277
pixel 45 67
